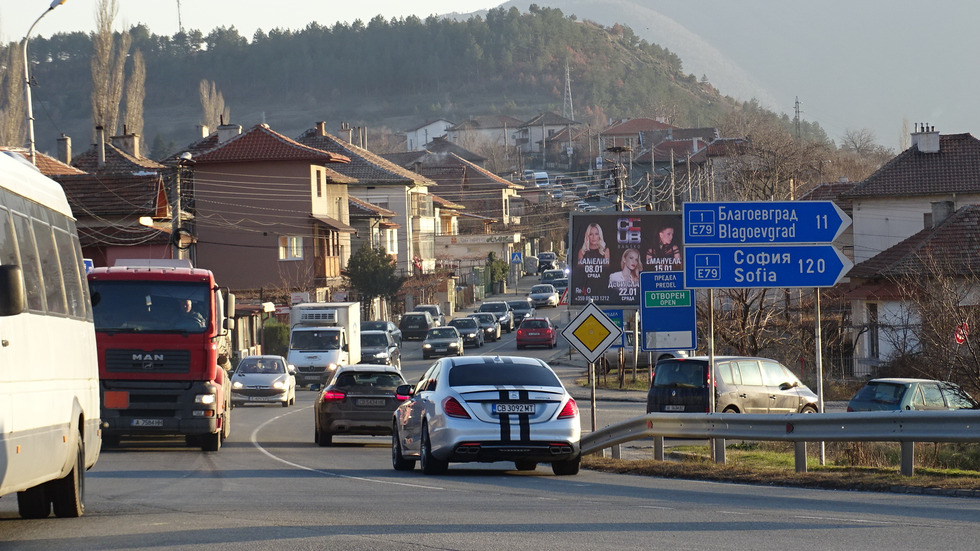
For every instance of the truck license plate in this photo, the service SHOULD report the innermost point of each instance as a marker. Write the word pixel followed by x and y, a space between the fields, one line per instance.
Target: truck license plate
pixel 146 422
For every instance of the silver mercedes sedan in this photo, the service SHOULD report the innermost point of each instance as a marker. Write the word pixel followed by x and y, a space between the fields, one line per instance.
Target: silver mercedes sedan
pixel 486 409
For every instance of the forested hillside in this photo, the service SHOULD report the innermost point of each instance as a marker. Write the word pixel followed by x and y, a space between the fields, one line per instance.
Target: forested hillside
pixel 392 73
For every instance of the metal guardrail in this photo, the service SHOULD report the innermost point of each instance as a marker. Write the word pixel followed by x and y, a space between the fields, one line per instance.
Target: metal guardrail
pixel 905 427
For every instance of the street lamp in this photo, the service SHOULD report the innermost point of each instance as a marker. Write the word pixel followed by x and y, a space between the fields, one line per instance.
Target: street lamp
pixel 27 80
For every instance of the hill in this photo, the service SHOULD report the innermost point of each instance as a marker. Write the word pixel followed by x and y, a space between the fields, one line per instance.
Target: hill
pixel 395 73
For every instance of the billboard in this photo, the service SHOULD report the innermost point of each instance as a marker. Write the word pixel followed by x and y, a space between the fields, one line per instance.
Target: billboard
pixel 607 251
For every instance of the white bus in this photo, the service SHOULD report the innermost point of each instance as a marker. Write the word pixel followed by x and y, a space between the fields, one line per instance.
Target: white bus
pixel 49 375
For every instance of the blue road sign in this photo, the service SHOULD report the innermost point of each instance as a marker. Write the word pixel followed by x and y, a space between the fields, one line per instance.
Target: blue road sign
pixel 516 258
pixel 775 266
pixel 616 315
pixel 747 223
pixel 668 312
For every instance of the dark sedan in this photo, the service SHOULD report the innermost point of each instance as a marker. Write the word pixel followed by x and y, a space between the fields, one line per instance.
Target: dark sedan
pixel 359 400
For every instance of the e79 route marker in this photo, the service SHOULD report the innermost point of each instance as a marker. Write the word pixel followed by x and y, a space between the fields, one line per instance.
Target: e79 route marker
pixel 776 222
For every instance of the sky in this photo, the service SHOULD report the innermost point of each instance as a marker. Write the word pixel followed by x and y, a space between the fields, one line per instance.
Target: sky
pixel 16 16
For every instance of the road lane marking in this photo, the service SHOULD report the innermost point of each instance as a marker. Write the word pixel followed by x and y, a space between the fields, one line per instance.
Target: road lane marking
pixel 255 442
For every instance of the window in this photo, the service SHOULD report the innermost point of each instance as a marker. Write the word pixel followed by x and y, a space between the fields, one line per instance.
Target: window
pixel 29 262
pixel 750 373
pixel 319 183
pixel 290 247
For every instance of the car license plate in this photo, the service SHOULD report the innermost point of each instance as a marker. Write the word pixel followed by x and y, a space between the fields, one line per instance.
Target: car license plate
pixel 533 334
pixel 146 422
pixel 512 408
pixel 673 408
pixel 369 402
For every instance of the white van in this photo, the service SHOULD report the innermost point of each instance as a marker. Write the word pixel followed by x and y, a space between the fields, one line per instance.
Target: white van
pixel 49 374
pixel 541 179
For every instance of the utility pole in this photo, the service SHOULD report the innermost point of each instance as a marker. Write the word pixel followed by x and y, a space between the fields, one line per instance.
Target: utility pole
pixel 175 222
pixel 796 120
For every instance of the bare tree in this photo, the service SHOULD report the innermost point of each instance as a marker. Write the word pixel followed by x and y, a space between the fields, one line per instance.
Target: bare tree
pixel 108 67
pixel 13 107
pixel 135 94
pixel 213 105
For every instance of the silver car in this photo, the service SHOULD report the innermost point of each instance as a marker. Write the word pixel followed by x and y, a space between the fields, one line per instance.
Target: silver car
pixel 485 409
pixel 263 380
pixel 543 294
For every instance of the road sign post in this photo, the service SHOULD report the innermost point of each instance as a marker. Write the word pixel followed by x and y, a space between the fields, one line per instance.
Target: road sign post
pixel 668 312
pixel 591 332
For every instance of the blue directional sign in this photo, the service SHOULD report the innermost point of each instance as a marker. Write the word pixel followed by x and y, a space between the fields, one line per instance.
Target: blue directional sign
pixel 667 311
pixel 516 258
pixel 774 266
pixel 748 223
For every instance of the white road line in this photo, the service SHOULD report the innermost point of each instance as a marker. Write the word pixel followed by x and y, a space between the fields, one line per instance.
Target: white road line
pixel 255 442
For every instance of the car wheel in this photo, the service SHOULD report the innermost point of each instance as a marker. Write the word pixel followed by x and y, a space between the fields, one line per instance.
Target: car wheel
pixel 285 403
pixel 430 464
pixel 34 502
pixel 730 409
pixel 324 438
pixel 526 465
pixel 808 409
pixel 68 493
pixel 398 460
pixel 566 468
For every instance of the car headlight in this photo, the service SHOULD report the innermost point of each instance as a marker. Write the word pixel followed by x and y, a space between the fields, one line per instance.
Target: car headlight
pixel 279 384
pixel 204 399
pixel 471 335
pixel 332 366
pixel 454 345
pixel 382 354
pixel 426 345
pixel 237 384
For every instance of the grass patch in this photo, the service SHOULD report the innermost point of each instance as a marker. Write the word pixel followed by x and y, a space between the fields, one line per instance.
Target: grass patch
pixel 772 463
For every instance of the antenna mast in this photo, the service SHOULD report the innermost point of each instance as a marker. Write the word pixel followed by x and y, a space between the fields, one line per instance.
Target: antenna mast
pixel 566 108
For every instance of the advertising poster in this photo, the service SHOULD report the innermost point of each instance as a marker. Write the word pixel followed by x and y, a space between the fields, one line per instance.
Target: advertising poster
pixel 607 251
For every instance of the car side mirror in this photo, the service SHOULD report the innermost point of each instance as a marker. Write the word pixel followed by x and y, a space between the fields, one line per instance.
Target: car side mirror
pixel 291 368
pixel 405 390
pixel 787 386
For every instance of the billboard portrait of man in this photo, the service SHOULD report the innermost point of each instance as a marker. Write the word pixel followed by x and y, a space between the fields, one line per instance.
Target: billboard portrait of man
pixel 609 250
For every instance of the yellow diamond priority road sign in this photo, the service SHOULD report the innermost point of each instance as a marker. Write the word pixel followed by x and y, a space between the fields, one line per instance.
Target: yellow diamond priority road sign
pixel 591 332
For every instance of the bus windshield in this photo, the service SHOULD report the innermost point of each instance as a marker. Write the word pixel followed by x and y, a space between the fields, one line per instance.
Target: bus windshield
pixel 150 306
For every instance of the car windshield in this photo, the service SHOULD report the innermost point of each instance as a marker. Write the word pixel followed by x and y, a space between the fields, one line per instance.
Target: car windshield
pixel 373 339
pixel 502 374
pixel 443 333
pixel 315 340
pixel 520 305
pixel 375 326
pixel 534 324
pixel 542 289
pixel 149 306
pixel 463 323
pixel 493 307
pixel 368 381
pixel 680 374
pixel 882 393
pixel 485 318
pixel 260 365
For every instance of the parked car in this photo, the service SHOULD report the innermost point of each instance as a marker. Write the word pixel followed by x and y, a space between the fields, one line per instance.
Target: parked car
pixel 743 385
pixel 377 347
pixel 263 380
pixel 488 322
pixel 471 331
pixel 537 332
pixel 435 311
pixel 917 394
pixel 484 409
pixel 548 276
pixel 386 326
pixel 442 341
pixel 522 309
pixel 543 294
pixel 359 399
pixel 500 309
pixel 415 325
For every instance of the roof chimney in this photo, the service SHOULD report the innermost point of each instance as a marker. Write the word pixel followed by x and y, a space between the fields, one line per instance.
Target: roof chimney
pixel 64 149
pixel 228 131
pixel 941 210
pixel 321 128
pixel 203 130
pixel 100 145
pixel 129 143
pixel 925 138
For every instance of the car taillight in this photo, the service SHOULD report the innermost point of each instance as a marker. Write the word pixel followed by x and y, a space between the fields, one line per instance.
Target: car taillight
pixel 401 397
pixel 520 331
pixel 332 395
pixel 570 410
pixel 453 408
pixel 849 408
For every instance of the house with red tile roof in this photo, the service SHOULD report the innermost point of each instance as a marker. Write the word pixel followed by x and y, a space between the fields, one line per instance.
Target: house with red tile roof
pixel 416 138
pixel 270 214
pixel 626 132
pixel 531 137
pixel 383 183
pixel 917 208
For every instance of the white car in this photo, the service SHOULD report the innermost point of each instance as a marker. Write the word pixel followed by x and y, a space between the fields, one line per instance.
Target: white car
pixel 486 409
pixel 263 380
pixel 543 294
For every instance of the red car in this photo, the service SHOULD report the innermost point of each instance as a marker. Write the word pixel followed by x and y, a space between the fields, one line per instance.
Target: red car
pixel 537 332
